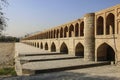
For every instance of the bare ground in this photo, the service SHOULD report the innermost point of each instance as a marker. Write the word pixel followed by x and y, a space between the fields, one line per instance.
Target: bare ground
pixel 7 52
pixel 108 72
pixel 95 73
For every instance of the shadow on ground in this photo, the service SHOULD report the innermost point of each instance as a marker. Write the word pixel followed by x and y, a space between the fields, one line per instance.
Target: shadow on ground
pixel 62 76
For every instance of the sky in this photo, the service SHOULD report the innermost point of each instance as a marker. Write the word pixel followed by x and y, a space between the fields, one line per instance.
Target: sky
pixel 29 16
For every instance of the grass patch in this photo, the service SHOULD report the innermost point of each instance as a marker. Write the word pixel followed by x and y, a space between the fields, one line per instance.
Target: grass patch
pixel 8 71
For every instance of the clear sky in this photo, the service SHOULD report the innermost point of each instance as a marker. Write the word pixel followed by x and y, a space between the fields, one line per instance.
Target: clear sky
pixel 27 16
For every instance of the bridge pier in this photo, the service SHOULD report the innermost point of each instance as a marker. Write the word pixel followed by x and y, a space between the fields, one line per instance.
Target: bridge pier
pixel 71 47
pixel 89 39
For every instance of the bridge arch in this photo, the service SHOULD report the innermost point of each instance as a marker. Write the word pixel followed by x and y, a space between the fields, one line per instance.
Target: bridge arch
pixel 46 46
pixel 61 32
pixel 37 44
pixel 49 36
pixel 100 25
pixel 79 50
pixel 65 31
pixel 51 33
pixel 54 33
pixel 64 48
pixel 105 53
pixel 76 30
pixel 110 23
pixel 41 45
pixel 71 30
pixel 57 33
pixel 53 47
pixel 82 28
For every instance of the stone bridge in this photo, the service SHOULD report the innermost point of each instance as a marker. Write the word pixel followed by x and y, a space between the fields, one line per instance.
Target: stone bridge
pixel 95 37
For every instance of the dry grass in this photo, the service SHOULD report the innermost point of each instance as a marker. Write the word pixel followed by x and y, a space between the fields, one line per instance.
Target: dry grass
pixel 7 51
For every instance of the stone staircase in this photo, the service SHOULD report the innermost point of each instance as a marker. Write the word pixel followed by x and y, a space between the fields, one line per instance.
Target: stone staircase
pixel 29 63
pixel 46 57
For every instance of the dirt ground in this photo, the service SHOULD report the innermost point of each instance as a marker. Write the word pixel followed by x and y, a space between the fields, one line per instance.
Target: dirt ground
pixel 107 72
pixel 7 51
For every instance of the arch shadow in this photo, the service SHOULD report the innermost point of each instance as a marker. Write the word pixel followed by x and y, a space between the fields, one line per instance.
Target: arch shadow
pixel 79 50
pixel 41 45
pixel 105 53
pixel 46 46
pixel 100 25
pixel 37 45
pixel 64 48
pixel 110 24
pixel 53 47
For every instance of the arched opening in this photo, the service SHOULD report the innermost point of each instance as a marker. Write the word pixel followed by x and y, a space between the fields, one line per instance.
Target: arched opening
pixel 54 33
pixel 71 30
pixel 76 30
pixel 51 34
pixel 47 35
pixel 37 45
pixel 79 50
pixel 53 48
pixel 66 31
pixel 105 53
pixel 82 29
pixel 57 33
pixel 41 45
pixel 46 46
pixel 100 26
pixel 110 24
pixel 61 33
pixel 64 48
